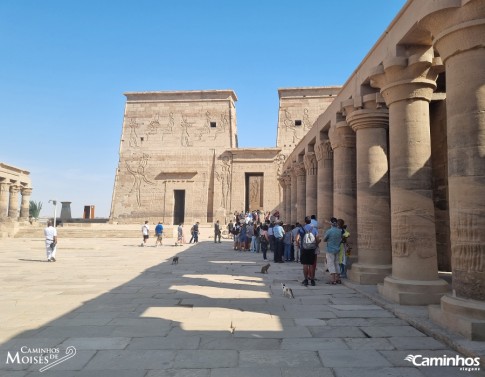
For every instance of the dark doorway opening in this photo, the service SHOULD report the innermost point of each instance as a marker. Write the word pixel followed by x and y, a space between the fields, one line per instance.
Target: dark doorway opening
pixel 254 191
pixel 178 206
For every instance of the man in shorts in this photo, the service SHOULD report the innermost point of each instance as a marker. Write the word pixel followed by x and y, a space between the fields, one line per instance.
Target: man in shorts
pixel 159 234
pixel 307 255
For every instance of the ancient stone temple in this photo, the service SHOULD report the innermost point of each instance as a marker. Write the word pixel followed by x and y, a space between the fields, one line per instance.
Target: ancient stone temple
pixel 180 161
pixel 400 156
pixel 15 191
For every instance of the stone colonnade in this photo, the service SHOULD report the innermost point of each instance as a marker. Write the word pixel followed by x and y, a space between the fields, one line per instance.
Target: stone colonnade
pixel 9 201
pixel 14 182
pixel 378 175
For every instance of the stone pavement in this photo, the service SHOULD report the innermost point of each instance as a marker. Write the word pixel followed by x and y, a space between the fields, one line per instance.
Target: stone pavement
pixel 130 313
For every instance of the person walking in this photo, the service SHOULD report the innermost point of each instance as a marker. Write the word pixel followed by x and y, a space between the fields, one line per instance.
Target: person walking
pixel 278 233
pixel 145 231
pixel 195 233
pixel 159 234
pixel 180 235
pixel 264 240
pixel 50 234
pixel 217 232
pixel 333 238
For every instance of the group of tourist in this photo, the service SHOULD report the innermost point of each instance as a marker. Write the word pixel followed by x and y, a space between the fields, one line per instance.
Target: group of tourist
pixel 259 232
pixel 293 242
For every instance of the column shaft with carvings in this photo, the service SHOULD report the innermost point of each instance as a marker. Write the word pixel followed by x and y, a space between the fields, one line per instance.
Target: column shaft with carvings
pixel 344 194
pixel 300 192
pixel 293 196
pixel 407 85
pixel 25 203
pixel 462 48
pixel 373 203
pixel 13 204
pixel 287 197
pixel 324 155
pixel 4 194
pixel 310 162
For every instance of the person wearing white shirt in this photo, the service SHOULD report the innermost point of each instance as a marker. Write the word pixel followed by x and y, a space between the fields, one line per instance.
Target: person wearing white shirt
pixel 50 234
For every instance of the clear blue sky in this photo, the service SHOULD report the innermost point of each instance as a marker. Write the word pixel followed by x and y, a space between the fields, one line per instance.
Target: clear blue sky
pixel 66 64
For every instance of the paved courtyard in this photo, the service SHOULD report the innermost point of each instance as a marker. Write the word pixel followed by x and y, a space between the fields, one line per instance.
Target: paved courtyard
pixel 129 312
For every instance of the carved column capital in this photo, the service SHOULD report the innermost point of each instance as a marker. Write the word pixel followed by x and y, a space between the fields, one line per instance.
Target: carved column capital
pixel 299 169
pixel 310 162
pixel 14 189
pixel 341 135
pixel 371 114
pixel 324 150
pixel 26 191
pixel 402 78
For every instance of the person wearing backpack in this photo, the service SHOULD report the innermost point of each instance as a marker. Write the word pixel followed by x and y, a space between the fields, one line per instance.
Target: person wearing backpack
pixel 308 240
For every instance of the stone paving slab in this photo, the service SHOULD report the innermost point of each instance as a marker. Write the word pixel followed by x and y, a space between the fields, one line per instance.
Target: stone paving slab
pixel 214 314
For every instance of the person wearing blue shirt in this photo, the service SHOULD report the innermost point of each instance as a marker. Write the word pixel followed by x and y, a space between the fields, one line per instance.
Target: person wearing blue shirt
pixel 333 237
pixel 159 234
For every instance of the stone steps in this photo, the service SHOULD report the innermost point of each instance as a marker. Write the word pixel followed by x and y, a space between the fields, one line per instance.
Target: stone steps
pixel 86 231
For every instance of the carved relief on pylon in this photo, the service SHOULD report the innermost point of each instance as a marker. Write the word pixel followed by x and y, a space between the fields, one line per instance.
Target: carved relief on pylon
pixel 223 175
pixel 310 162
pixel 307 124
pixel 137 170
pixel 290 125
pixel 185 136
pixel 279 161
pixel 133 140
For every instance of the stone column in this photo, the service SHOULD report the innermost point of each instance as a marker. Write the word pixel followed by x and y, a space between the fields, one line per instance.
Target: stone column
pixel 370 122
pixel 462 49
pixel 13 204
pixel 407 85
pixel 287 196
pixel 293 195
pixel 344 194
pixel 25 203
pixel 310 162
pixel 324 155
pixel 300 192
pixel 4 190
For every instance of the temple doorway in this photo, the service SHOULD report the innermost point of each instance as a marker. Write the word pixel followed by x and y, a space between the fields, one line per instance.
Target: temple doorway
pixel 254 191
pixel 178 207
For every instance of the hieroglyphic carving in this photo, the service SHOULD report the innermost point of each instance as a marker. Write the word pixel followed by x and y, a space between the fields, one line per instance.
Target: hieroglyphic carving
pixel 133 141
pixel 279 161
pixel 139 176
pixel 255 192
pixel 407 237
pixel 307 124
pixel 310 161
pixel 185 137
pixel 223 175
pixel 154 126
pixel 290 125
pixel 224 124
pixel 171 124
pixel 206 128
pixel 468 252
